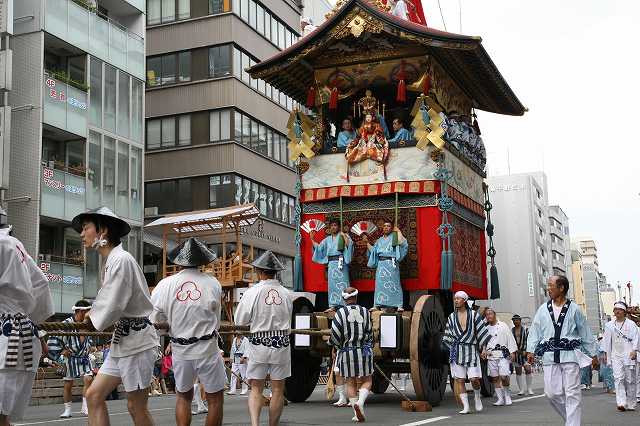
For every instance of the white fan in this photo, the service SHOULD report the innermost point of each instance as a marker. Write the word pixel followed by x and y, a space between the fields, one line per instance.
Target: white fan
pixel 364 227
pixel 312 225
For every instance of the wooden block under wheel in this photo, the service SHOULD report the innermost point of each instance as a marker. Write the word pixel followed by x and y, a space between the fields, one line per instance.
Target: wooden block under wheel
pixel 418 406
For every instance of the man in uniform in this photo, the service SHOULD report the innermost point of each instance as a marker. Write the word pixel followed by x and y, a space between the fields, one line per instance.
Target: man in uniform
pixel 560 335
pixel 25 302
pixel 335 251
pixel 352 336
pixel 466 332
pixel 238 364
pixel 500 350
pixel 75 350
pixel 267 307
pixel 520 334
pixel 620 343
pixel 190 301
pixel 124 302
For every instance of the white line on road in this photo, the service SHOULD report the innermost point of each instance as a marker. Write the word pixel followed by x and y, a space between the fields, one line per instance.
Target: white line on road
pixel 78 418
pixel 424 422
pixel 528 398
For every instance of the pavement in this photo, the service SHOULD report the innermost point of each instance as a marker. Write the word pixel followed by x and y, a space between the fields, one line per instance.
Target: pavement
pixel 598 409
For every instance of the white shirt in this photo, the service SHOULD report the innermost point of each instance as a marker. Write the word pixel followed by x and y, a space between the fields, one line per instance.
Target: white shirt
pixel 190 302
pixel 617 346
pixel 239 350
pixel 124 294
pixel 400 10
pixel 500 335
pixel 266 306
pixel 23 289
pixel 556 311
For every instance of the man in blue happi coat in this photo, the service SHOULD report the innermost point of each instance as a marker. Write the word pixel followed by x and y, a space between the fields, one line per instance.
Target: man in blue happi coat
pixel 385 255
pixel 401 134
pixel 561 336
pixel 347 134
pixel 335 251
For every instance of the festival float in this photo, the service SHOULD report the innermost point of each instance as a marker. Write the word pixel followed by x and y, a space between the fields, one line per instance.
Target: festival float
pixel 389 133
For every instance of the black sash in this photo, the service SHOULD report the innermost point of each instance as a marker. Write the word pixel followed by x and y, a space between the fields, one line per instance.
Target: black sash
pixel 557 327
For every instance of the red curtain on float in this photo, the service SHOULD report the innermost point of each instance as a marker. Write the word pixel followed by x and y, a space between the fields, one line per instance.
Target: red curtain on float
pixel 429 248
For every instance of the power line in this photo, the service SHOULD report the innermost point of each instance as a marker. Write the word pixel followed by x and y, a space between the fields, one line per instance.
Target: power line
pixel 442 16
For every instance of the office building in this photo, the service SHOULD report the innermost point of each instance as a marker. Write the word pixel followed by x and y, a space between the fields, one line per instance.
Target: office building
pixel 578 284
pixel 591 280
pixel 214 136
pixel 77 133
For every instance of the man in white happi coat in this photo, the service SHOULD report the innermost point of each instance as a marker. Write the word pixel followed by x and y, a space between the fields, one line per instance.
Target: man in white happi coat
pixel 499 353
pixel 561 336
pixel 24 302
pixel 124 302
pixel 190 301
pixel 267 307
pixel 620 344
pixel 238 354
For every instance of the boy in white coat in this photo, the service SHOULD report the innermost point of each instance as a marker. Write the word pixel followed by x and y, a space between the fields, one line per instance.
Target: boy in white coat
pixel 620 343
pixel 238 355
pixel 25 302
pixel 500 351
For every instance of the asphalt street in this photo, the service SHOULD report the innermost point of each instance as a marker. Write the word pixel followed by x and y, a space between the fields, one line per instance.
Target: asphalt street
pixel 598 409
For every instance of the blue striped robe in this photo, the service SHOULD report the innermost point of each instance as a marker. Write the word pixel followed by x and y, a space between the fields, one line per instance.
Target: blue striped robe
pixel 464 344
pixel 78 363
pixel 521 358
pixel 353 341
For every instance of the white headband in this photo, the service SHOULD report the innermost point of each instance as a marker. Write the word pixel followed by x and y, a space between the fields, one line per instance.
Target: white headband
pixel 346 295
pixel 80 308
pixel 461 294
pixel 620 305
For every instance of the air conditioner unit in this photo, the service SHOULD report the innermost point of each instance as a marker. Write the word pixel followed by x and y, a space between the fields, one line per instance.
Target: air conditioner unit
pixel 150 211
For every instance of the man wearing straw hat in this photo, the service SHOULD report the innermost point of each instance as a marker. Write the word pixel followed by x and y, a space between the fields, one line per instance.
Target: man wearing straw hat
pixel 25 302
pixel 190 301
pixel 73 351
pixel 267 307
pixel 124 302
pixel 620 344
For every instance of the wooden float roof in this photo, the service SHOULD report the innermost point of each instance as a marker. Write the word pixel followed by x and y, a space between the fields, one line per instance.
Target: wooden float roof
pixel 462 57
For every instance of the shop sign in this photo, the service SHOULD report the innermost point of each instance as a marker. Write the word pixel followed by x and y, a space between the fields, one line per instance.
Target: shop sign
pixel 48 177
pixel 513 187
pixel 59 95
pixel 59 278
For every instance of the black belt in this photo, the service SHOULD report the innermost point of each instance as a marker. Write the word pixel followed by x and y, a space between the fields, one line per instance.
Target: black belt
pixel 192 340
pixel 553 345
pixel 271 339
pixel 125 325
pixel 336 257
pixel 386 258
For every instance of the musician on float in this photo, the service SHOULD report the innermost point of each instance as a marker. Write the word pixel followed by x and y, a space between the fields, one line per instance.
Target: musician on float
pixel 401 134
pixel 347 134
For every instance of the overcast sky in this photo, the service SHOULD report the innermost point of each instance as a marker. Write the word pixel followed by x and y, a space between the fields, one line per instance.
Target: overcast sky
pixel 576 65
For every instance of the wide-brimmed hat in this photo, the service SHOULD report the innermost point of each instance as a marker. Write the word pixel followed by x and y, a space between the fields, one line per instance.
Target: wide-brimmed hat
pixel 268 262
pixel 103 215
pixel 191 253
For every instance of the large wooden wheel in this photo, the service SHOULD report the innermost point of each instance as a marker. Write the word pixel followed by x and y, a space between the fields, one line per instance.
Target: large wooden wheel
pixel 429 369
pixel 305 366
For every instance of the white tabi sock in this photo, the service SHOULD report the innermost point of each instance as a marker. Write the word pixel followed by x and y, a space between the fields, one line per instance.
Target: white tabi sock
pixel 507 395
pixel 363 393
pixel 353 402
pixel 529 378
pixel 500 395
pixel 465 403
pixel 342 397
pixel 520 383
pixel 478 401
pixel 84 405
pixel 67 410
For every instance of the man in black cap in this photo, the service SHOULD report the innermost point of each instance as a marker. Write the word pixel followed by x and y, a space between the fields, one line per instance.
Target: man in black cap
pixel 124 302
pixel 267 308
pixel 190 302
pixel 75 351
pixel 521 333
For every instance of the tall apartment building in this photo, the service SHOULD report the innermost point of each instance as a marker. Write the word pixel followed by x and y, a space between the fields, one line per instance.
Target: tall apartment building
pixel 578 284
pixel 560 243
pixel 591 280
pixel 77 133
pixel 522 240
pixel 214 136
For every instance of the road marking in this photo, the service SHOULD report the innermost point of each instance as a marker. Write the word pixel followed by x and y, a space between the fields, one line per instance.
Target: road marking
pixel 84 417
pixel 527 398
pixel 424 422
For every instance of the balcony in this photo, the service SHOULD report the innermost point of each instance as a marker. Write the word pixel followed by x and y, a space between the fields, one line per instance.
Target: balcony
pixel 66 278
pixel 65 106
pixel 62 193
pixel 96 35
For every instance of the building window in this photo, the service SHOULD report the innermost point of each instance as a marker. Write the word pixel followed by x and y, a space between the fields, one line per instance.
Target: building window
pixel 184 9
pixel 168 137
pixel 227 190
pixel 154 12
pixel 162 70
pixel 169 196
pixel 219 6
pixel 259 137
pixel 220 125
pixel 123 104
pixel 220 61
pixel 184 130
pixel 109 98
pixel 95 92
pixel 153 134
pixel 162 11
pixel 168 10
